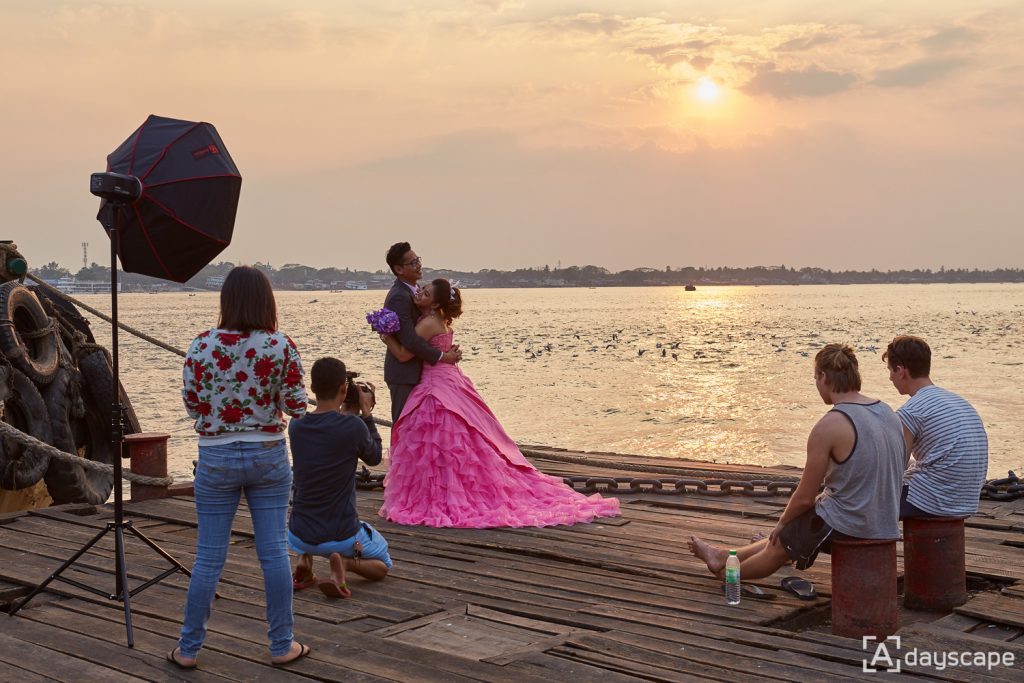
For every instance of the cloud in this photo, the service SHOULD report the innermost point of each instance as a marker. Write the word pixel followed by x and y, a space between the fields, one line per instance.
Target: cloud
pixel 588 22
pixel 950 38
pixel 810 82
pixel 805 42
pixel 918 73
pixel 670 54
pixel 701 63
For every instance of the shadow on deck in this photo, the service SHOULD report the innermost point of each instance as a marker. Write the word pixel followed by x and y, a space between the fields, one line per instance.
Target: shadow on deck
pixel 619 599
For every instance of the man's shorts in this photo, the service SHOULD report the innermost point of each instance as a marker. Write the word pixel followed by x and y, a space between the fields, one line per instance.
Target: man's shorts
pixel 805 537
pixel 910 511
pixel 374 545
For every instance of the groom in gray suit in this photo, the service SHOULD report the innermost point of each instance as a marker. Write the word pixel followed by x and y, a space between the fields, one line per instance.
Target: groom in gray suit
pixel 402 378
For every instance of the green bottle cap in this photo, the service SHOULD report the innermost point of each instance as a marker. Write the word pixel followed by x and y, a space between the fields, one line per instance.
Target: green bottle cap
pixel 732 552
pixel 17 266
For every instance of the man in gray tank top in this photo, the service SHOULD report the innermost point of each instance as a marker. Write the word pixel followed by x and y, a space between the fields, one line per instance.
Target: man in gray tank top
pixel 857 451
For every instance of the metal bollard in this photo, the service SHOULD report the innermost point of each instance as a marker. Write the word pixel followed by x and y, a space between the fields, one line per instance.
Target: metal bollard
pixel 148 453
pixel 864 601
pixel 934 572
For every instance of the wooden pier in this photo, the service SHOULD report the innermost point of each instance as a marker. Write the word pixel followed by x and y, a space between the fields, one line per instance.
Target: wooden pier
pixel 617 600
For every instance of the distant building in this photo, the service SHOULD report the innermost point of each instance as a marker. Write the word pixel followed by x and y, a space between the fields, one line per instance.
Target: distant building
pixel 215 281
pixel 70 285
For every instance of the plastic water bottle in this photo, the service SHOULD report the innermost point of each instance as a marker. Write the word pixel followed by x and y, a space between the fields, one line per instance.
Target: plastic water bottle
pixel 732 579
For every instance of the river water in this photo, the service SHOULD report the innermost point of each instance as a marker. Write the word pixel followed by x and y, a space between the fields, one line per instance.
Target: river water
pixel 721 374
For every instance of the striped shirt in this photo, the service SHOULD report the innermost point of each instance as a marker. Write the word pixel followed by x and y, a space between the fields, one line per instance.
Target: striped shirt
pixel 950 452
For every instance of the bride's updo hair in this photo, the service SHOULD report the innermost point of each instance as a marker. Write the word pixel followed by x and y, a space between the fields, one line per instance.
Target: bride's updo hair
pixel 448 299
pixel 839 363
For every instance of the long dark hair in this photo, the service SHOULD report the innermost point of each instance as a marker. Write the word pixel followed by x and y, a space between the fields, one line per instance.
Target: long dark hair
pixel 247 301
pixel 448 299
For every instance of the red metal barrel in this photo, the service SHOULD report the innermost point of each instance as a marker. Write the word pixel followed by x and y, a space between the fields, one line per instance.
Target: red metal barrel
pixel 934 576
pixel 148 452
pixel 864 601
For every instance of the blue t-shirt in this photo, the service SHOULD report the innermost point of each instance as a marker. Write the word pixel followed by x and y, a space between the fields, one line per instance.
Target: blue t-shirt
pixel 325 450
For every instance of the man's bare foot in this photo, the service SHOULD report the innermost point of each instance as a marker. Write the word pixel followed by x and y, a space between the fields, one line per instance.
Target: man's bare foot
pixel 758 536
pixel 336 587
pixel 713 557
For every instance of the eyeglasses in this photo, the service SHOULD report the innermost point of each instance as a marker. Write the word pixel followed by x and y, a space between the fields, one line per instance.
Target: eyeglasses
pixel 415 262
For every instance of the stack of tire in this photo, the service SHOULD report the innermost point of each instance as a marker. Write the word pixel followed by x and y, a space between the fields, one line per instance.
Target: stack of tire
pixel 57 386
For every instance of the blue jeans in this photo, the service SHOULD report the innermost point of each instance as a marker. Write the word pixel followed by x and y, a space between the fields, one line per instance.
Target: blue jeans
pixel 374 545
pixel 262 471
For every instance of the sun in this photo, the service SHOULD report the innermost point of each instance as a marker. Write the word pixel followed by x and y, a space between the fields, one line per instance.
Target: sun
pixel 707 90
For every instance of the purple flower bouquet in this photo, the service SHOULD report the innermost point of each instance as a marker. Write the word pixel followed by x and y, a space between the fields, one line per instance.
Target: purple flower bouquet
pixel 384 321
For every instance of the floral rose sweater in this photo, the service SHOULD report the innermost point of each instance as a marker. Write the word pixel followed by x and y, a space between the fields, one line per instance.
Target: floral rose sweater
pixel 241 382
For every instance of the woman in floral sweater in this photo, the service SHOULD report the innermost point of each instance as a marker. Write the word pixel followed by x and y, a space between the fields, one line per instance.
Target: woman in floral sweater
pixel 239 379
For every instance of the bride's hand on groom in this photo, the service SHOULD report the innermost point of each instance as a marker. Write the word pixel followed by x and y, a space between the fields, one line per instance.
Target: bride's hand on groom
pixel 453 356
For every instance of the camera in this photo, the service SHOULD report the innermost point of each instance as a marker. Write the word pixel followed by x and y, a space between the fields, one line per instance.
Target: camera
pixel 354 388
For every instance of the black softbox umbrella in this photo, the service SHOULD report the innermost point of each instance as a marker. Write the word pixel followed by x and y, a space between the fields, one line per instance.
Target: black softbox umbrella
pixel 185 213
pixel 168 205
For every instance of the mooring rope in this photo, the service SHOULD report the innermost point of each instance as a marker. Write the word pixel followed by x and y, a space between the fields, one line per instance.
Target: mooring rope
pixel 104 316
pixel 30 442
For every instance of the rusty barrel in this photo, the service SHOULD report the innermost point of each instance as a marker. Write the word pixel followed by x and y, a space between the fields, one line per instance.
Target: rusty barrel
pixel 934 575
pixel 148 452
pixel 864 601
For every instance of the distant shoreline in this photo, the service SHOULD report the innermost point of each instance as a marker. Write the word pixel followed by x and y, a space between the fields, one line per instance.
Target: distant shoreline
pixel 179 290
pixel 305 278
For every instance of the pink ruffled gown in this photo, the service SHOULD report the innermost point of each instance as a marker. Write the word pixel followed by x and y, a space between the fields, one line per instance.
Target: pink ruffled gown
pixel 452 464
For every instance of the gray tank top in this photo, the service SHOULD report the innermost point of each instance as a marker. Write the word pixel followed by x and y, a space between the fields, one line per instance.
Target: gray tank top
pixel 862 493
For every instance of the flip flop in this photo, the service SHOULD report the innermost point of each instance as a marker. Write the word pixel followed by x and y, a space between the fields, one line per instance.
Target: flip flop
pixel 303 651
pixel 752 592
pixel 801 588
pixel 172 657
pixel 334 590
pixel 303 583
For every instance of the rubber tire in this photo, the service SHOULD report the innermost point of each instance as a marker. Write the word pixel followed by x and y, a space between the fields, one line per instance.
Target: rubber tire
pixel 98 381
pixel 97 371
pixel 70 317
pixel 72 428
pixel 20 310
pixel 25 409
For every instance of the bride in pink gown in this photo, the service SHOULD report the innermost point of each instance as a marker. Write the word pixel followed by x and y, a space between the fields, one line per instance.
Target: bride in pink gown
pixel 452 464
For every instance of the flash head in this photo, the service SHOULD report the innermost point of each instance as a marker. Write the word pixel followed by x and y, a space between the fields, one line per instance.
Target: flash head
pixel 115 187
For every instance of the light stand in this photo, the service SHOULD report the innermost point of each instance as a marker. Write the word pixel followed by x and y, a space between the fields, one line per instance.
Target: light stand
pixel 116 199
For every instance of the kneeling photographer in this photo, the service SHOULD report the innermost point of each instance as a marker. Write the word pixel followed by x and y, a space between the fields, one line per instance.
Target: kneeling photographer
pixel 327 444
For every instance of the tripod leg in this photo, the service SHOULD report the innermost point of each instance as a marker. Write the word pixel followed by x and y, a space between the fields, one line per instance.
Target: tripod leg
pixel 70 561
pixel 122 580
pixel 163 553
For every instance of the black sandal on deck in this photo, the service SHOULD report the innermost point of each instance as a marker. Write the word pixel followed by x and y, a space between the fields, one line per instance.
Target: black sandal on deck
pixel 303 651
pixel 801 588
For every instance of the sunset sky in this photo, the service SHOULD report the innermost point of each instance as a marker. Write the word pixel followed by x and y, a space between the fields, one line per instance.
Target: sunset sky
pixel 845 134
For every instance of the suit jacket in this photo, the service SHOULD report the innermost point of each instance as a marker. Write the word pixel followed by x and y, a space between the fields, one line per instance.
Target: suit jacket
pixel 399 300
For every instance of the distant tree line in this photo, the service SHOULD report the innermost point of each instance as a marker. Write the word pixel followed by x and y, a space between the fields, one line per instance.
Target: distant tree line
pixel 298 276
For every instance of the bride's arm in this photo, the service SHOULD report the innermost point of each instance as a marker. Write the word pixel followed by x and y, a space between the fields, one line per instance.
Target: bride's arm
pixel 396 349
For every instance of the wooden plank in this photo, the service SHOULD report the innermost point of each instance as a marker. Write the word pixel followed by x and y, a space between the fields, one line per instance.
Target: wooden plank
pixel 10 672
pixel 69 656
pixel 1001 609
pixel 546 667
